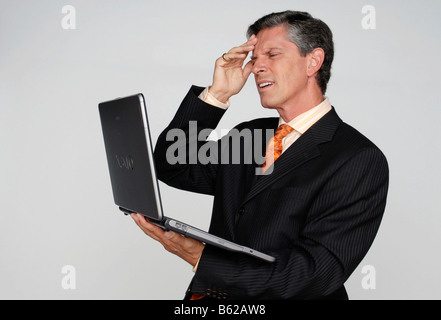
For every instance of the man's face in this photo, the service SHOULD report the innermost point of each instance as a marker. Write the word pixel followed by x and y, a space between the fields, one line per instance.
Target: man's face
pixel 279 69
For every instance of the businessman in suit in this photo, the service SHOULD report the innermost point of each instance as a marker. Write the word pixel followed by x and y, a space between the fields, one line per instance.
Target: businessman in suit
pixel 317 203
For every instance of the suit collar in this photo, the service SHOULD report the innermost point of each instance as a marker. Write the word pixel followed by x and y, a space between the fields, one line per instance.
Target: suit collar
pixel 324 129
pixel 304 121
pixel 302 151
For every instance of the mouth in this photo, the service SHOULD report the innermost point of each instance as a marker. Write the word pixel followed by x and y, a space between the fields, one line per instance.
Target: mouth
pixel 264 85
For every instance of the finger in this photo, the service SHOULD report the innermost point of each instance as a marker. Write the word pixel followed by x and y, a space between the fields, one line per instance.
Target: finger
pixel 242 49
pixel 246 47
pixel 150 229
pixel 143 221
pixel 146 224
pixel 178 244
pixel 169 235
pixel 241 52
pixel 233 57
pixel 173 243
pixel 248 69
pixel 251 41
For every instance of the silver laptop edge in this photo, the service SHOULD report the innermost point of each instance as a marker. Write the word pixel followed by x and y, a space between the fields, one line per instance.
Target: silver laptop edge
pixel 150 153
pixel 205 237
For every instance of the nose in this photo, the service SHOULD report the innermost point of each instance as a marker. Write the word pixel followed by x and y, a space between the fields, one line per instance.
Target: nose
pixel 259 66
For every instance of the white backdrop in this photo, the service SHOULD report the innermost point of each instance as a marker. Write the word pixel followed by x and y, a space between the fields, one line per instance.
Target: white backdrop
pixel 56 200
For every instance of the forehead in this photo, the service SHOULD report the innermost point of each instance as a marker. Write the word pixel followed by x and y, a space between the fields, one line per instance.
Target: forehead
pixel 273 38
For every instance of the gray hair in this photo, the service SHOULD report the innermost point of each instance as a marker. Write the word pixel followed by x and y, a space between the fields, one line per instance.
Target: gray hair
pixel 306 32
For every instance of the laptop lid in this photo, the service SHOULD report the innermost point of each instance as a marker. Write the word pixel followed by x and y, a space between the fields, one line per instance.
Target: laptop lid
pixel 130 156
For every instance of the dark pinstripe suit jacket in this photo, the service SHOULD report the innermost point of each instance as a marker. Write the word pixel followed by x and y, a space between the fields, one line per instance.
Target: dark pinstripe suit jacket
pixel 317 213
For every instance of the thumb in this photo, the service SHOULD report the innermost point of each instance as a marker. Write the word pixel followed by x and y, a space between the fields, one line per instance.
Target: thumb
pixel 169 234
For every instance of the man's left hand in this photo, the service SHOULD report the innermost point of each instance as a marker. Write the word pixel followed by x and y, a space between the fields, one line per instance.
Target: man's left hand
pixel 187 248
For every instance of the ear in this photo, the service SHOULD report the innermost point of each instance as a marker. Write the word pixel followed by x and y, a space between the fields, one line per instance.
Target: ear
pixel 315 61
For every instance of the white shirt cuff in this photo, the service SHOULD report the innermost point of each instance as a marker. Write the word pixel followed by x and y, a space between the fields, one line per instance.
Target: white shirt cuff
pixel 207 97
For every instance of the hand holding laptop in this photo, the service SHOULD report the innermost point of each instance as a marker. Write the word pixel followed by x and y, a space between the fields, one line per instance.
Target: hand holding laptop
pixel 186 248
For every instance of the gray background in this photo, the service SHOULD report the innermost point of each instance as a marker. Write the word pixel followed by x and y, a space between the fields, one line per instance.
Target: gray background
pixel 56 202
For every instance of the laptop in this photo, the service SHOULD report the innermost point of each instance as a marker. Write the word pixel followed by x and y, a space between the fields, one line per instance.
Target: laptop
pixel 133 178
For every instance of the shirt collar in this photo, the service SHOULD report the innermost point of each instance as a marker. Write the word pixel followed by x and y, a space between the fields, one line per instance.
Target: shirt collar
pixel 304 121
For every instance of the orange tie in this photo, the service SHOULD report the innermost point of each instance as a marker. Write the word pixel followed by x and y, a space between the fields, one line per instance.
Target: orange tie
pixel 275 146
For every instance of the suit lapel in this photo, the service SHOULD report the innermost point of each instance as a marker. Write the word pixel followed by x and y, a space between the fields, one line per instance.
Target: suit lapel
pixel 300 152
pixel 303 150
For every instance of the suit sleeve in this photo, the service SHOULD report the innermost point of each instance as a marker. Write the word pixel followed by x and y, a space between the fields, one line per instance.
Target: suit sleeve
pixel 176 152
pixel 333 242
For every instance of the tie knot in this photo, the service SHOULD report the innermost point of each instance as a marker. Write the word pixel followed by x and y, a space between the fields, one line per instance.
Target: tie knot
pixel 282 131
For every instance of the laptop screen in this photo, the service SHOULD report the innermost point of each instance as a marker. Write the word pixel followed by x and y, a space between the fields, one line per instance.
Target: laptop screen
pixel 130 156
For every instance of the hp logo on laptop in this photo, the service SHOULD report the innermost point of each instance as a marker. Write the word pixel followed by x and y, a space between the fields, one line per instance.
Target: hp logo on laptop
pixel 125 162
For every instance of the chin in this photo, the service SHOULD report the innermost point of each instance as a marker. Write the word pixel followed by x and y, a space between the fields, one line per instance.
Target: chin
pixel 269 107
pixel 267 104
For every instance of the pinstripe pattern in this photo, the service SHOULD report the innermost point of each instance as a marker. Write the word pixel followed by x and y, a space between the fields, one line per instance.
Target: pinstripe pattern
pixel 318 212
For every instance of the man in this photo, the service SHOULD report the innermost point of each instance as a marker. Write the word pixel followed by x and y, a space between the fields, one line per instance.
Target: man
pixel 318 209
